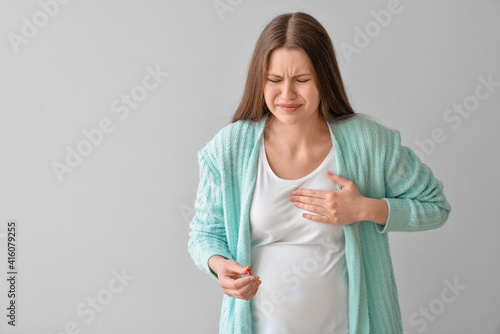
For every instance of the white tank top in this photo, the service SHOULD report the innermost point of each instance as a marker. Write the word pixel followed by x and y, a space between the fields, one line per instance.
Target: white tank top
pixel 301 263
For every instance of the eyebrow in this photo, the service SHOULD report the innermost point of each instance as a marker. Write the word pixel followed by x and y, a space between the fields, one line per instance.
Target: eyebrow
pixel 296 76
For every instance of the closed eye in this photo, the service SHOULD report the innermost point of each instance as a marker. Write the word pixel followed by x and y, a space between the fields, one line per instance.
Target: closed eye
pixel 301 81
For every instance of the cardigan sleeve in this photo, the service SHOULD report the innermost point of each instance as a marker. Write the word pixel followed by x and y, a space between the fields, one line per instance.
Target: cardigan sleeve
pixel 208 233
pixel 414 196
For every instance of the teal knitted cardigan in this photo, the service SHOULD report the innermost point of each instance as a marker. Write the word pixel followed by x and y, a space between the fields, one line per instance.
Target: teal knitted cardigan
pixel 367 153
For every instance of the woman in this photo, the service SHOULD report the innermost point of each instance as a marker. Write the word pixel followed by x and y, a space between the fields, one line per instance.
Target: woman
pixel 315 260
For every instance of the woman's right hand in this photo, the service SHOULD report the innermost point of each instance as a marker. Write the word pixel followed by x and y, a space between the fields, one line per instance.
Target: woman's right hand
pixel 230 278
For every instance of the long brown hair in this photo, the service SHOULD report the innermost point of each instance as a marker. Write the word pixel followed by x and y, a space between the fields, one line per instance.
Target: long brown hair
pixel 295 31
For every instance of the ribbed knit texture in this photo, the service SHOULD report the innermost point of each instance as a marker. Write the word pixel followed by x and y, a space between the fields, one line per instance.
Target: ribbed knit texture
pixel 367 153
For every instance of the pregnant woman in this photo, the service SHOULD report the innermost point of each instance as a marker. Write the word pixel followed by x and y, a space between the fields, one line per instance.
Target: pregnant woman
pixel 298 193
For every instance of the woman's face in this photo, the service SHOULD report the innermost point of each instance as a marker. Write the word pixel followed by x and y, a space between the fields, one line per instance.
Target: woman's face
pixel 290 91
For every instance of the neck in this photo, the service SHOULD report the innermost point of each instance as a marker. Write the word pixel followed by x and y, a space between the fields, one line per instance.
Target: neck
pixel 299 137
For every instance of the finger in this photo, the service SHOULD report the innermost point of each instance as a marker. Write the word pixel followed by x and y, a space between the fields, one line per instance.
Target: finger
pixel 245 292
pixel 315 208
pixel 235 270
pixel 310 193
pixel 238 268
pixel 317 218
pixel 308 200
pixel 244 281
pixel 249 289
pixel 229 282
pixel 340 180
pixel 254 291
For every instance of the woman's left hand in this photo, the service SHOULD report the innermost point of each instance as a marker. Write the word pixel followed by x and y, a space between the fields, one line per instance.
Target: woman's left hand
pixel 340 207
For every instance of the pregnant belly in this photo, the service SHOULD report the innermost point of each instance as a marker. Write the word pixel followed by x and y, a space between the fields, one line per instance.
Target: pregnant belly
pixel 303 290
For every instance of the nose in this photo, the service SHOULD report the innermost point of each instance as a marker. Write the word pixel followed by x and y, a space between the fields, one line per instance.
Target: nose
pixel 288 91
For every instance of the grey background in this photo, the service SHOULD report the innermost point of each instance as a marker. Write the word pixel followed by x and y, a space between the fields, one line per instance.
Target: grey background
pixel 128 204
